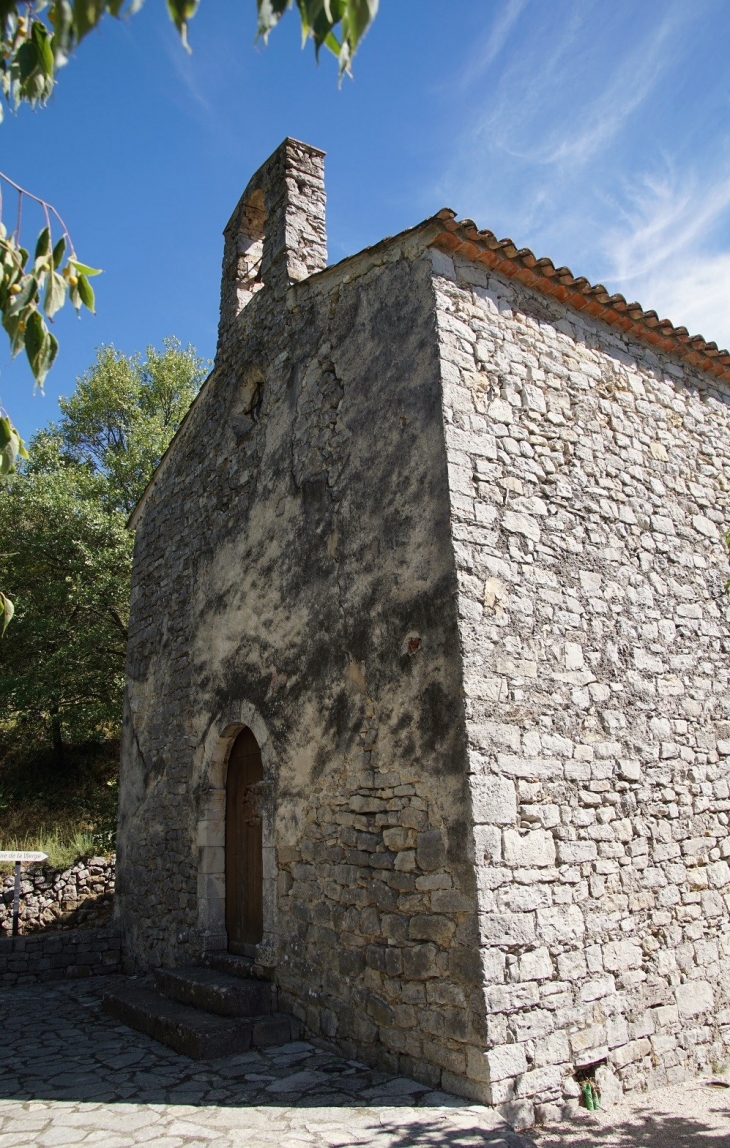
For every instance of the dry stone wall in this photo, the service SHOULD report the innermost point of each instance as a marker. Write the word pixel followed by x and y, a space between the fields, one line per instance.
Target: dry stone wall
pixel 589 490
pixel 80 896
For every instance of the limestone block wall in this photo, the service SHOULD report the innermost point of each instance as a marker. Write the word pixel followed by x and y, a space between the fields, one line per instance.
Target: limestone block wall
pixel 589 493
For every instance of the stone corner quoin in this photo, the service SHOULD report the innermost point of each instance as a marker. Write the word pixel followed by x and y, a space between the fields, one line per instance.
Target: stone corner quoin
pixel 453 552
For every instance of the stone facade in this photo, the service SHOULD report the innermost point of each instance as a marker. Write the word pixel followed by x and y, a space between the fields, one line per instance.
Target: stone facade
pixel 453 553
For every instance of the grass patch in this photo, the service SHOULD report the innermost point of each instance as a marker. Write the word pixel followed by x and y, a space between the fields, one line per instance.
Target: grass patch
pixel 62 850
pixel 68 813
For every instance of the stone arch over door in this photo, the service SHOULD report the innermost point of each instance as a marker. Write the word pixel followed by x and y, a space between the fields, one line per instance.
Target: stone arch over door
pixel 221 737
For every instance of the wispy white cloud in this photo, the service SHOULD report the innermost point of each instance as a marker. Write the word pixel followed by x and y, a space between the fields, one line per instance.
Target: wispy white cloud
pixel 563 99
pixel 486 54
pixel 666 248
pixel 185 69
pixel 632 81
pixel 582 149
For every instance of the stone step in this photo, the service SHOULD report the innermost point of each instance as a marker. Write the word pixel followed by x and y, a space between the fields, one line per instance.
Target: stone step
pixel 197 1034
pixel 241 967
pixel 217 992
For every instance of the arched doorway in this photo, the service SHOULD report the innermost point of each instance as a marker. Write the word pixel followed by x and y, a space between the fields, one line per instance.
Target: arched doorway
pixel 244 852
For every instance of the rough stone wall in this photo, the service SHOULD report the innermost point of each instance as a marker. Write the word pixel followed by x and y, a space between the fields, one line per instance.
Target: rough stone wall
pixel 81 895
pixel 57 956
pixel 294 572
pixel 589 481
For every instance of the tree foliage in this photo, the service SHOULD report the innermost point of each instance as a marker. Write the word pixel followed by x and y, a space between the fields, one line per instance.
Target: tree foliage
pixel 124 412
pixel 68 564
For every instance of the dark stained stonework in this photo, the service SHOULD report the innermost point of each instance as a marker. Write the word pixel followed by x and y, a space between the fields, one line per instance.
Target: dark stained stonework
pixel 57 956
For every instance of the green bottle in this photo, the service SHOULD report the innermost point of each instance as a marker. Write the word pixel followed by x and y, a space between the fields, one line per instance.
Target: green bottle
pixel 588 1096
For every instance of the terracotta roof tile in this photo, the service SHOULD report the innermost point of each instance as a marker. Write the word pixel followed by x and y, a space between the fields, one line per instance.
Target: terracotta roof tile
pixel 502 255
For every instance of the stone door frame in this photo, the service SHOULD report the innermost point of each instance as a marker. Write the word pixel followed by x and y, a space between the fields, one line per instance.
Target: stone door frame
pixel 211 835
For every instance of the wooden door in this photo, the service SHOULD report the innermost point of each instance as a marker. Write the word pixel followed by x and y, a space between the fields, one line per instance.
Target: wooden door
pixel 244 856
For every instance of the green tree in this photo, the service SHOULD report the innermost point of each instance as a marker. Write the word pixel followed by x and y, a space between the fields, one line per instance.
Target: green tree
pixel 68 568
pixel 124 411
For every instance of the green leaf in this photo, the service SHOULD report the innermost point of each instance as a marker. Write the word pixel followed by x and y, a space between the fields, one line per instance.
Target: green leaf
pixel 35 333
pixel 58 252
pixel 6 432
pixel 180 12
pixel 84 269
pixel 10 450
pixel 50 350
pixel 40 347
pixel 270 13
pixel 74 296
pixel 61 19
pixel 43 246
pixel 47 351
pixel 11 323
pixel 28 290
pixel 55 296
pixel 28 60
pixel 361 14
pixel 86 293
pixel 42 41
pixel 87 14
pixel 7 610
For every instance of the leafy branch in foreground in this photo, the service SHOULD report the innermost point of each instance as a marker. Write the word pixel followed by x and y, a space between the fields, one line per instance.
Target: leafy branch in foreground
pixel 320 21
pixel 30 292
pixel 37 38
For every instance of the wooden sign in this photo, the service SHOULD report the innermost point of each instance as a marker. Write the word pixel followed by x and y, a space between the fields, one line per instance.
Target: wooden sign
pixel 9 855
pixel 20 857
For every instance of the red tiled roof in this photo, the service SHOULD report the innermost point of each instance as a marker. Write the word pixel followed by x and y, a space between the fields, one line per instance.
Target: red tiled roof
pixel 502 255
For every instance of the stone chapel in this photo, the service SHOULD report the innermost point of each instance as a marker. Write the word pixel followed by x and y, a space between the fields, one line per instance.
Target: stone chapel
pixel 427 719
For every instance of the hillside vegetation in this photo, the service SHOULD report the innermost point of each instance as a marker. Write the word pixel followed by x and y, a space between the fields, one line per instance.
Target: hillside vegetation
pixel 66 565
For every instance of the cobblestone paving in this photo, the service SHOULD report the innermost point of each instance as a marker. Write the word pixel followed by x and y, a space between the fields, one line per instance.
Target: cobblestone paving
pixel 69 1074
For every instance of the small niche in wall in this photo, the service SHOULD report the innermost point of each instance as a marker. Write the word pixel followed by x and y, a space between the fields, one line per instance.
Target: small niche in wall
pixel 250 250
pixel 586 1079
pixel 248 405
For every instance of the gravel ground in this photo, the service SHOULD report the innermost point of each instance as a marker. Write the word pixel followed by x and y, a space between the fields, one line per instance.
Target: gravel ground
pixel 690 1115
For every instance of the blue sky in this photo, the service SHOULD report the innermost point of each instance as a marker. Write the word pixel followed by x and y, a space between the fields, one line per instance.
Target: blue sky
pixel 597 134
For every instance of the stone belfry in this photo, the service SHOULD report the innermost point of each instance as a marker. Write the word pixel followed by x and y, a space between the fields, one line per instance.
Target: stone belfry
pixel 426 723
